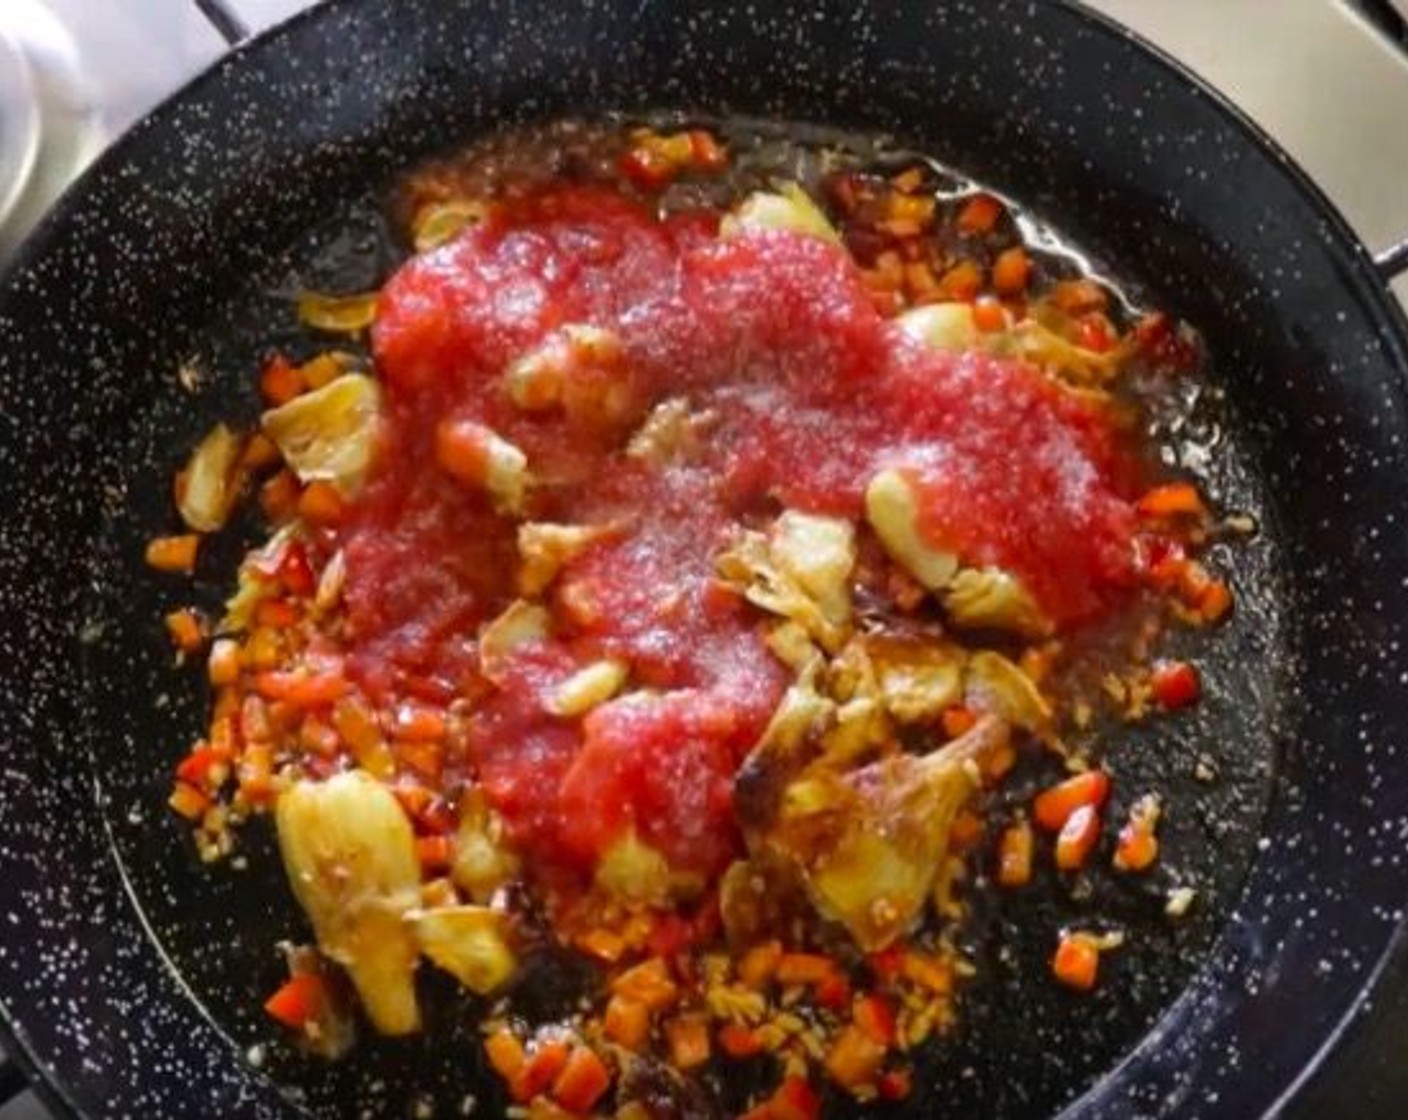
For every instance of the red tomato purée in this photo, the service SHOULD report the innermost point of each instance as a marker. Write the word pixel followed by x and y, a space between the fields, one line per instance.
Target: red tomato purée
pixel 804 391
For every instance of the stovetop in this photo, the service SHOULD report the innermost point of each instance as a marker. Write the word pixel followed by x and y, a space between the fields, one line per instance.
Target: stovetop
pixel 1327 78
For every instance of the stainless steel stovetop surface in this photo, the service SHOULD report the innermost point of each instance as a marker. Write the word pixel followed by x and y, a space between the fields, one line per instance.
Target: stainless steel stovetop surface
pixel 75 74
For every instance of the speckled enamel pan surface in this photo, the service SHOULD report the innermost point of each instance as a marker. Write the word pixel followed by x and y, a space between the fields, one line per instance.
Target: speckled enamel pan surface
pixel 130 979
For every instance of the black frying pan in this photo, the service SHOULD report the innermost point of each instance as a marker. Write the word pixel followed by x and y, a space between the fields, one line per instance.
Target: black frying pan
pixel 130 978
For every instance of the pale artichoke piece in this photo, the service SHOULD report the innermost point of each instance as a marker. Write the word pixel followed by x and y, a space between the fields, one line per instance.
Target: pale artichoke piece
pixel 590 686
pixel 439 223
pixel 545 548
pixel 521 624
pixel 942 326
pixel 992 598
pixel 892 509
pixel 782 750
pixel 818 554
pixel 860 727
pixel 788 208
pixel 484 862
pixel 506 475
pixel 1042 346
pixel 791 644
pixel 637 874
pixel 349 853
pixel 470 943
pixel 752 567
pixel 671 432
pixel 340 314
pixel 539 379
pixel 211 482
pixel 994 684
pixel 869 843
pixel 917 678
pixel 330 433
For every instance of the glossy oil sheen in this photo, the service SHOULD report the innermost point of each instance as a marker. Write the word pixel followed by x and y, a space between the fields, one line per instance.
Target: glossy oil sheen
pixel 1123 153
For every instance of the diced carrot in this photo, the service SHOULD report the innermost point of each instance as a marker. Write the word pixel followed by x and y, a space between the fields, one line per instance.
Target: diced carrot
pixel 707 153
pixel 688 1038
pixel 302 689
pixel 1011 270
pixel 795 1099
pixel 582 1081
pixel 173 554
pixel 894 1085
pixel 1077 838
pixel 961 282
pixel 545 1061
pixel 908 181
pixel 1138 845
pixel 833 992
pixel 648 983
pixel 197 766
pixel 298 1001
pixel 1077 961
pixel 966 829
pixel 426 759
pixel 1094 332
pixel 1193 582
pixel 1136 849
pixel 256 772
pixel 278 497
pixel 416 721
pixel 462 450
pixel 989 315
pixel 317 736
pixel 505 1052
pixel 186 629
pixel 605 945
pixel 956 720
pixel 738 1041
pixel 804 968
pixel 1215 602
pixel 277 613
pixel 280 381
pixel 436 853
pixel 997 762
pixel 854 1058
pixel 886 303
pixel 627 1022
pixel 1014 855
pixel 189 801
pixel 927 971
pixel 759 964
pixel 322 369
pixel 412 796
pixel 1054 805
pixel 362 734
pixel 259 452
pixel 1175 684
pixel 295 572
pixel 1077 297
pixel 321 504
pixel 874 1015
pixel 979 214
pixel 646 167
pixel 887 963
pixel 1172 499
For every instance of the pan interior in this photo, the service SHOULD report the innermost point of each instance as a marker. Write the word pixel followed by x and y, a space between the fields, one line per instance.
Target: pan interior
pixel 219 926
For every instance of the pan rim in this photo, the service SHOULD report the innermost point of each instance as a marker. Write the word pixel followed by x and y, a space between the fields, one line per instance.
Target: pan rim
pixel 1363 281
